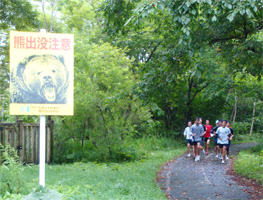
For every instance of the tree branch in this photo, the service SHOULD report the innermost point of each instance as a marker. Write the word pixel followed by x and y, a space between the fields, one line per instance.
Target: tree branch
pixel 197 91
pixel 43 9
pixel 154 49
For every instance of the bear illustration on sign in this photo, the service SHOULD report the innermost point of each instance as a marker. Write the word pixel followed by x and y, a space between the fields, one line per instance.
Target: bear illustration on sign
pixel 40 79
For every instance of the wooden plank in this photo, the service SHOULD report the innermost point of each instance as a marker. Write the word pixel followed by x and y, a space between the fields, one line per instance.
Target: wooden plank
pixel 29 144
pixel 9 134
pixel 26 143
pixel 15 138
pixel 12 132
pixel 5 139
pixel 37 145
pixel 20 139
pixel 34 144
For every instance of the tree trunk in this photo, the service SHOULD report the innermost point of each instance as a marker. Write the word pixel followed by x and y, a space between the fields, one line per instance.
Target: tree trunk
pixel 232 113
pixel 44 13
pixel 3 112
pixel 228 94
pixel 253 118
pixel 235 112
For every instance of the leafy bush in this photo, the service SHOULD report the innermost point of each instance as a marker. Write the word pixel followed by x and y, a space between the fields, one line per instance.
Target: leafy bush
pixel 249 163
pixel 11 178
pixel 241 127
pixel 246 138
pixel 127 150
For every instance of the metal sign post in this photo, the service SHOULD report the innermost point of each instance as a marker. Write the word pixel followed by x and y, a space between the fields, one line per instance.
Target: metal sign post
pixel 42 150
pixel 42 144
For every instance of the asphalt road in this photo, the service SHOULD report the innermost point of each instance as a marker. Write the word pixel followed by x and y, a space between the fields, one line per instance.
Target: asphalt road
pixel 206 179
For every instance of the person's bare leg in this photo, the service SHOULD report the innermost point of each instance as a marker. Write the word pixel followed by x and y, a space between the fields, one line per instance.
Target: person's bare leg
pixel 224 153
pixel 207 145
pixel 221 153
pixel 188 148
pixel 199 148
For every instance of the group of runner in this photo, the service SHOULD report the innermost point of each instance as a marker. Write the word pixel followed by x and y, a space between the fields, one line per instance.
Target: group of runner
pixel 198 138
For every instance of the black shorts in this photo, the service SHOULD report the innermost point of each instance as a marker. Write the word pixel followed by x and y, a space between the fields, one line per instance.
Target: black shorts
pixel 222 145
pixel 207 139
pixel 229 143
pixel 189 141
pixel 215 142
pixel 195 142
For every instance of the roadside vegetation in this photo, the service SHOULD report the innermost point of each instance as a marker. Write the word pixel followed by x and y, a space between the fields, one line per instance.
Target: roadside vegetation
pixel 92 180
pixel 249 162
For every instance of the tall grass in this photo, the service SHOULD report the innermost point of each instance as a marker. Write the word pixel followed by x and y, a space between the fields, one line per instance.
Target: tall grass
pixel 249 163
pixel 91 180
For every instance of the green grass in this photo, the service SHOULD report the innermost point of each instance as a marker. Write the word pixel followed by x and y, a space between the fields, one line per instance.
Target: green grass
pixel 238 139
pixel 249 163
pixel 127 180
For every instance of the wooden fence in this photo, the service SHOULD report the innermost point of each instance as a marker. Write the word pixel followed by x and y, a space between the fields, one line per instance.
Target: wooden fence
pixel 24 137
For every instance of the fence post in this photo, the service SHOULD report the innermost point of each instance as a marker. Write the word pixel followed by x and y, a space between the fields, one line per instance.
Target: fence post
pixel 21 140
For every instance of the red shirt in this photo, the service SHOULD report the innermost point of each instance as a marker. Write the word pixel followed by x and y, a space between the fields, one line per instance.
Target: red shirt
pixel 208 131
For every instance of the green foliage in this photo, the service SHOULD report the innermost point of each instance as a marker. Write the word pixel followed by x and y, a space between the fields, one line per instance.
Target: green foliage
pixel 126 180
pixel 11 173
pixel 17 14
pixel 44 194
pixel 107 114
pixel 249 163
pixel 241 127
pixel 246 138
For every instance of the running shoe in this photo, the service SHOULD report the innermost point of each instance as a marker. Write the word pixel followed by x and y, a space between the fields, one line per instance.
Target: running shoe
pixel 203 151
pixel 223 161
pixel 189 155
pixel 216 156
pixel 196 158
pixel 207 153
pixel 227 158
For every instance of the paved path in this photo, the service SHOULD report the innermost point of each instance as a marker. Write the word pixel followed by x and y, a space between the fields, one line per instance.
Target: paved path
pixel 205 179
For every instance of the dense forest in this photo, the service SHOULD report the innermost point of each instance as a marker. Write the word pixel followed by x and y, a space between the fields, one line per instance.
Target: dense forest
pixel 143 68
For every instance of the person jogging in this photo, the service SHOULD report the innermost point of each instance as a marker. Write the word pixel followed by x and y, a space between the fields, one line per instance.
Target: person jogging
pixel 230 136
pixel 202 138
pixel 207 135
pixel 223 133
pixel 215 137
pixel 188 135
pixel 197 132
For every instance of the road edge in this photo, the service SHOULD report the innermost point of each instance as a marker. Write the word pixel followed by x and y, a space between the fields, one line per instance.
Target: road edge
pixel 230 171
pixel 255 188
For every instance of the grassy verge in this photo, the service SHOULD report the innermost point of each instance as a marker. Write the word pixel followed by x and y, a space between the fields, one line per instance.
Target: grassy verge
pixel 127 180
pixel 249 163
pixel 238 139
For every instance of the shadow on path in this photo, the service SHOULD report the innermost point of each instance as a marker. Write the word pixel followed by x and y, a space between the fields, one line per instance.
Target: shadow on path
pixel 206 179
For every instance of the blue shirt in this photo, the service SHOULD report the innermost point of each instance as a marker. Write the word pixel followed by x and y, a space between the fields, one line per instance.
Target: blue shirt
pixel 197 130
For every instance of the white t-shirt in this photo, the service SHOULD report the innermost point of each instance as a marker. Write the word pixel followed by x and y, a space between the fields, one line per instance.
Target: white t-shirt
pixel 223 133
pixel 188 133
